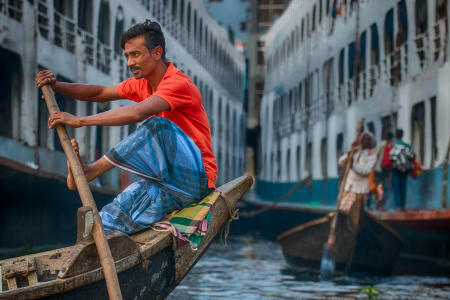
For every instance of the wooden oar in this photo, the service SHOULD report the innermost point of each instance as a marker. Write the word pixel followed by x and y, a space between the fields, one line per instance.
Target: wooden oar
pixel 328 261
pixel 104 253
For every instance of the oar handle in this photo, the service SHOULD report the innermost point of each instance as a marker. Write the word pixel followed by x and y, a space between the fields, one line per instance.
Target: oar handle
pixel 104 253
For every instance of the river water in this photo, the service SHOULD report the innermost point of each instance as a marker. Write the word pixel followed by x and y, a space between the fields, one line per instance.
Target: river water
pixel 254 268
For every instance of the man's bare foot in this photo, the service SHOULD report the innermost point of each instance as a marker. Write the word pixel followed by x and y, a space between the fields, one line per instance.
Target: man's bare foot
pixel 70 180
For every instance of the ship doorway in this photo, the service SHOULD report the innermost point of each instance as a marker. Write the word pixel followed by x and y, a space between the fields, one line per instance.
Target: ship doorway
pixel 10 77
pixel 418 130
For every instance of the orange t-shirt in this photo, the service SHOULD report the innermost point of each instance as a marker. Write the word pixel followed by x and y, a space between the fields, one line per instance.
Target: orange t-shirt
pixel 186 110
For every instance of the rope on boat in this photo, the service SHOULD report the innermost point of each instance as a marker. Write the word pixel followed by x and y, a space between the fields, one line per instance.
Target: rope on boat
pixel 307 181
pixel 233 214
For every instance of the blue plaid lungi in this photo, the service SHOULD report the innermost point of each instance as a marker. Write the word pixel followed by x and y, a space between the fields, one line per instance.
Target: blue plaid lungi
pixel 173 173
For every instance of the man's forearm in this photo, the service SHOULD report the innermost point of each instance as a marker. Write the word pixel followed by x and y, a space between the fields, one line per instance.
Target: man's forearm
pixel 114 117
pixel 84 92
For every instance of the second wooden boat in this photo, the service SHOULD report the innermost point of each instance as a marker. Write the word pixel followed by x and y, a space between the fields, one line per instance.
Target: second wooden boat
pixel 364 244
pixel 148 266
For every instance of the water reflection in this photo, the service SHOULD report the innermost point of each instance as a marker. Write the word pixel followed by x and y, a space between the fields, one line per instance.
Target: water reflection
pixel 253 268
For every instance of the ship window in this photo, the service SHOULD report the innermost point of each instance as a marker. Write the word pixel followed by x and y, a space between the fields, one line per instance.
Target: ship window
pixel 288 165
pixel 10 66
pixel 188 18
pixel 351 60
pixel 302 34
pixel 323 155
pixel 320 11
pixel 339 145
pixel 307 25
pixel 434 148
pixel 233 133
pixel 328 78
pixel 421 16
pixel 313 26
pixel 278 164
pixel 402 34
pixel 292 40
pixel 295 100
pixel 375 45
pixel 120 24
pixel 299 162
pixel 200 34
pixel 307 86
pixel 195 25
pixel 362 52
pixel 182 12
pixel 174 8
pixel 441 9
pixel 371 128
pixel 308 163
pixel 227 128
pixel 103 23
pixel 389 32
pixel 418 130
pixel 341 66
pixel 219 120
pixel 386 126
pixel 300 96
pixel 291 103
pixel 65 7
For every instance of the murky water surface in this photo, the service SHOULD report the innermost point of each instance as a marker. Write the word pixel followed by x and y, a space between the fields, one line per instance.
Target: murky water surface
pixel 250 268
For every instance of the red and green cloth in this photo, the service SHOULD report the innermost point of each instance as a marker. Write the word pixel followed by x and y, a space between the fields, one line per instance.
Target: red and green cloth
pixel 190 224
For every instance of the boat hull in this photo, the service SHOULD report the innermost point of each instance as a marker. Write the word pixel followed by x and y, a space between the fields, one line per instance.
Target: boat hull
pixel 151 269
pixel 363 244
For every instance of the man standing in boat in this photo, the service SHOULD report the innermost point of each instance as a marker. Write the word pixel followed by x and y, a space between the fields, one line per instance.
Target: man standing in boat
pixel 357 184
pixel 172 148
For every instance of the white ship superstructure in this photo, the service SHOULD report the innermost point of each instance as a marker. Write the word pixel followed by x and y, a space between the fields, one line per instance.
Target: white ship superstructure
pixel 331 63
pixel 79 41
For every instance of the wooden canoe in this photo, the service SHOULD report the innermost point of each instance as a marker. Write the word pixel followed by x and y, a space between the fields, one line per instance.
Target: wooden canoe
pixel 364 244
pixel 148 266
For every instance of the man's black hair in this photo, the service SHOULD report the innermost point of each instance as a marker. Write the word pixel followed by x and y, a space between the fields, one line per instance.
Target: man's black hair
pixel 389 135
pixel 399 134
pixel 152 33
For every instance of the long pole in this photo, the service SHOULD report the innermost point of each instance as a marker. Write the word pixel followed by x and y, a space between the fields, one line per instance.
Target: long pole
pixel 327 263
pixel 331 238
pixel 106 260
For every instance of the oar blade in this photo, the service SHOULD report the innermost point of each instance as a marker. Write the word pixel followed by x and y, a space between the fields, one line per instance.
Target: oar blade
pixel 328 262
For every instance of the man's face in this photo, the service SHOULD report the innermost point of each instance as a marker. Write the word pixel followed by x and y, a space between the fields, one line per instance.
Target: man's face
pixel 366 141
pixel 139 59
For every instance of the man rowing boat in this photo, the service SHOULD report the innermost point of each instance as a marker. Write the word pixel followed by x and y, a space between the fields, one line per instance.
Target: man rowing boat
pixel 171 150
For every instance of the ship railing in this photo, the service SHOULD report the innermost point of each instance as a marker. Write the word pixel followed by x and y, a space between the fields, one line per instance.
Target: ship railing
pixel 43 19
pixel 64 32
pixel 421 43
pixel 440 32
pixel 103 57
pixel 88 41
pixel 395 65
pixel 12 9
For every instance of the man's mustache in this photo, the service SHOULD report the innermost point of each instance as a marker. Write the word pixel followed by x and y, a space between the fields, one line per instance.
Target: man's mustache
pixel 134 68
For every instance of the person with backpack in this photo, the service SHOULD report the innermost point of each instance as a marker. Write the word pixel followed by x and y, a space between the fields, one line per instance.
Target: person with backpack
pixel 402 157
